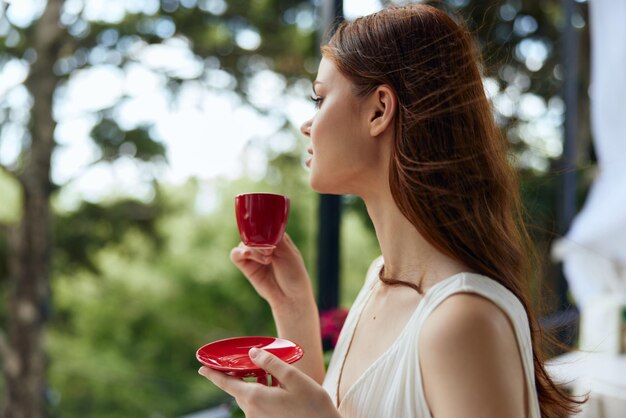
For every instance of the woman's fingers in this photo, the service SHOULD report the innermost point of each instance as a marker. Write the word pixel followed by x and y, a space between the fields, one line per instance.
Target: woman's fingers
pixel 231 385
pixel 242 254
pixel 287 375
pixel 258 270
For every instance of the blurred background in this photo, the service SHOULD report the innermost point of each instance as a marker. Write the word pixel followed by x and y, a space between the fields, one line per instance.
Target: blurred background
pixel 128 126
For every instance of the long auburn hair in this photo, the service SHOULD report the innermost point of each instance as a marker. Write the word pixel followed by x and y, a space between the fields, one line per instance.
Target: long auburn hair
pixel 449 171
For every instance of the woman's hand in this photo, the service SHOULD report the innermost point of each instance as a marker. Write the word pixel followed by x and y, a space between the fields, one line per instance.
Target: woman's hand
pixel 278 275
pixel 298 395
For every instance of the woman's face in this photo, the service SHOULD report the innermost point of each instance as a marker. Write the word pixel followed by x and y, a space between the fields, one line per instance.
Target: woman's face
pixel 344 156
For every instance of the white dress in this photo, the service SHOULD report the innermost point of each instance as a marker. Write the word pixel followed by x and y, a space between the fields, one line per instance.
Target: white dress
pixel 392 386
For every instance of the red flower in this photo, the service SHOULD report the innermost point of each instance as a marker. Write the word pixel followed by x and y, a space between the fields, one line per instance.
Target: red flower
pixel 331 322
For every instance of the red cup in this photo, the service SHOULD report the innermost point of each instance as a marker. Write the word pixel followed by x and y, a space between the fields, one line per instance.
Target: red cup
pixel 261 218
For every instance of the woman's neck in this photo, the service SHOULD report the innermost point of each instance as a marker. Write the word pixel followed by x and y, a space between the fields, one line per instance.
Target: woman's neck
pixel 407 254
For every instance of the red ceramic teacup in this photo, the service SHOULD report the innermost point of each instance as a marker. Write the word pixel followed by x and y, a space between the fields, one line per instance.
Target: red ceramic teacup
pixel 261 218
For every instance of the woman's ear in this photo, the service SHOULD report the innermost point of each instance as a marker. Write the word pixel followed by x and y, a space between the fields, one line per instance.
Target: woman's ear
pixel 382 110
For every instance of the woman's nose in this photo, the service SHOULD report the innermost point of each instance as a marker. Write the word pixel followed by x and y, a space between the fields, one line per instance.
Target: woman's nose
pixel 306 128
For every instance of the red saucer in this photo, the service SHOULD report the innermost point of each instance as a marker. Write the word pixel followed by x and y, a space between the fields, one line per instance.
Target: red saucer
pixel 231 355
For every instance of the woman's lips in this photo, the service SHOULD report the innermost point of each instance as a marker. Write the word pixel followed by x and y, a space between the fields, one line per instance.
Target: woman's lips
pixel 308 162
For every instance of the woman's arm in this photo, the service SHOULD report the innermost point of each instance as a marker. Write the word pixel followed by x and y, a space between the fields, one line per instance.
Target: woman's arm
pixel 300 323
pixel 280 277
pixel 470 361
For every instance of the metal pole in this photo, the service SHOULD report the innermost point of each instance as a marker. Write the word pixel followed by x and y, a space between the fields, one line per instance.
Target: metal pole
pixel 330 205
pixel 328 251
pixel 331 16
pixel 570 95
pixel 567 314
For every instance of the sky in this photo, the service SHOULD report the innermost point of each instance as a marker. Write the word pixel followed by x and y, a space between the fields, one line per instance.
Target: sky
pixel 206 130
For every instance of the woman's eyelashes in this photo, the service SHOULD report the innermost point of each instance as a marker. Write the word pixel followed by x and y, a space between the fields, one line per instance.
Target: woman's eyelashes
pixel 317 100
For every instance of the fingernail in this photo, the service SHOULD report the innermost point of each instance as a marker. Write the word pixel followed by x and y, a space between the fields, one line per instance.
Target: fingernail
pixel 200 371
pixel 254 352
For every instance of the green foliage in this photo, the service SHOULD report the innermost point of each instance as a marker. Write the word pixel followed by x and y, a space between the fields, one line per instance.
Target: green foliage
pixel 81 233
pixel 123 338
pixel 115 142
pixel 10 200
pixel 138 287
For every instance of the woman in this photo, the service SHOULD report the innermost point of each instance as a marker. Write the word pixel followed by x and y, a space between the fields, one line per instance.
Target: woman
pixel 442 326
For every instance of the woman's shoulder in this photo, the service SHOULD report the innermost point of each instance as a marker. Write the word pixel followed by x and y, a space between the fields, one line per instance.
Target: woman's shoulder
pixel 470 302
pixel 463 314
pixel 492 293
pixel 473 308
pixel 469 352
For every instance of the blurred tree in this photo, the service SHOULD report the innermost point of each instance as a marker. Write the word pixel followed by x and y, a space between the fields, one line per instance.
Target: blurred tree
pixel 30 242
pixel 231 41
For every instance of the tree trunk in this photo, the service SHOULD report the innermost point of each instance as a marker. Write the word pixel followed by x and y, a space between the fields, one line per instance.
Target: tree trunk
pixel 30 242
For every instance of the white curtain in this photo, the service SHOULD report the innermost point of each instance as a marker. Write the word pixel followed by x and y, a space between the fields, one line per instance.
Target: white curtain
pixel 594 250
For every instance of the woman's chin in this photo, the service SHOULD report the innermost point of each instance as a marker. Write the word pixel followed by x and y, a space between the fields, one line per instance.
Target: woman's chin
pixel 317 184
pixel 325 186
